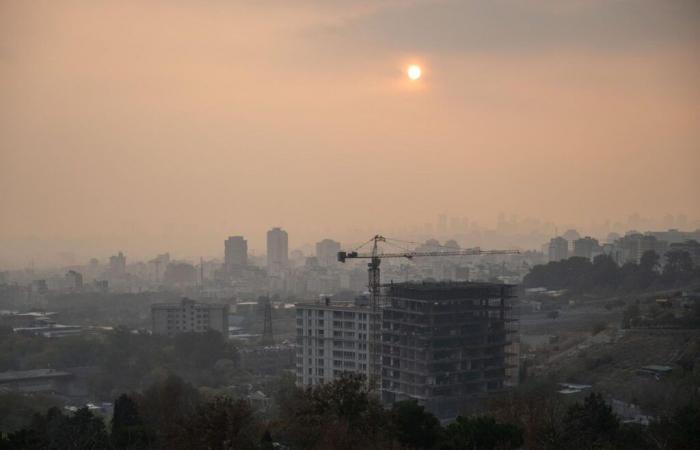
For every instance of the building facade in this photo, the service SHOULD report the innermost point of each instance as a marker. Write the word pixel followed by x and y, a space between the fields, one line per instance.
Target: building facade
pixel 446 345
pixel 235 252
pixel 117 264
pixel 327 252
pixel 277 251
pixel 74 280
pixel 587 247
pixel 558 249
pixel 631 247
pixel 331 338
pixel 189 316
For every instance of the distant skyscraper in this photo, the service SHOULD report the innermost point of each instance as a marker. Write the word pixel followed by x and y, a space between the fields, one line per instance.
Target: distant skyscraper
pixel 586 247
pixel 74 280
pixel 327 252
pixel 558 249
pixel 117 264
pixel 235 252
pixel 277 251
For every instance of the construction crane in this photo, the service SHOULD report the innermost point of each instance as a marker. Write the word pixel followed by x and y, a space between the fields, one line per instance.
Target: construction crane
pixel 374 284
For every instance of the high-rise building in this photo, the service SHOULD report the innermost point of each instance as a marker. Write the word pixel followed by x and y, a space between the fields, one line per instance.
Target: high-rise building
pixel 558 249
pixel 189 316
pixel 586 247
pixel 117 264
pixel 446 345
pixel 631 247
pixel 277 251
pixel 235 252
pixel 327 252
pixel 74 280
pixel 332 337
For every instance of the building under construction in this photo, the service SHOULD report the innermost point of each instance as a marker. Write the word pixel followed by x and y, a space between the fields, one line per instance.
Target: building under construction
pixel 446 344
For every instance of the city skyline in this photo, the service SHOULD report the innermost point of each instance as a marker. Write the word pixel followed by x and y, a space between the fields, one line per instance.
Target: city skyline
pixel 522 233
pixel 118 133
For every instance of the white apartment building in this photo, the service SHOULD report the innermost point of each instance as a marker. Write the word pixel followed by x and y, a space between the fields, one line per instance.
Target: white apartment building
pixel 332 338
pixel 189 316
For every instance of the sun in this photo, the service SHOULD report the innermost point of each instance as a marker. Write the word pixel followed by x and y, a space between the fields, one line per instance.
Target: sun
pixel 414 72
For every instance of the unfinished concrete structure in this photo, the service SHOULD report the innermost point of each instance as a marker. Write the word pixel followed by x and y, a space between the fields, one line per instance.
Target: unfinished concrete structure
pixel 445 344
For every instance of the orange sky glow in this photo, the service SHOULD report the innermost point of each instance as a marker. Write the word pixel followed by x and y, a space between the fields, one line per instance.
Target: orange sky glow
pixel 168 125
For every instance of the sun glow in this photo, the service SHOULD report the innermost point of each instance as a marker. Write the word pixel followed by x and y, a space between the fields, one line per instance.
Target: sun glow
pixel 414 72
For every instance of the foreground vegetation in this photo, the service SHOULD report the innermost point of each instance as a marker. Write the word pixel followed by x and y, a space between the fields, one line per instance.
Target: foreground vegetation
pixel 603 275
pixel 124 361
pixel 172 414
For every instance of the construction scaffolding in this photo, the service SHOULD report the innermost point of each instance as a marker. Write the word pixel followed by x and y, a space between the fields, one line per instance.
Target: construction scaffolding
pixel 446 344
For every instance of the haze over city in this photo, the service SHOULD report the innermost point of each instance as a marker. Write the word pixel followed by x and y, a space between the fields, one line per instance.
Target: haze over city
pixel 356 224
pixel 170 125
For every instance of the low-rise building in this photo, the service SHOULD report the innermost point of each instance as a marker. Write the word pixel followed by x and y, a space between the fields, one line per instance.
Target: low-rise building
pixel 38 380
pixel 189 316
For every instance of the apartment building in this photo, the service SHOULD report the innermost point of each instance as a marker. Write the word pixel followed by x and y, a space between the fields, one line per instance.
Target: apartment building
pixel 332 337
pixel 447 345
pixel 189 316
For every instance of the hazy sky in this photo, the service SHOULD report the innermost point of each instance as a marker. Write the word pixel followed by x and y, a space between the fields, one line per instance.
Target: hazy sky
pixel 168 125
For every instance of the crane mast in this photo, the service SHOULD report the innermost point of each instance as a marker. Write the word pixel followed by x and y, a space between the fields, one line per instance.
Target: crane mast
pixel 374 287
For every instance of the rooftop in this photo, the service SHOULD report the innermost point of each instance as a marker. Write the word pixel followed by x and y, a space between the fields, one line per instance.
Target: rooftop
pixel 20 375
pixel 186 301
pixel 338 305
pixel 449 290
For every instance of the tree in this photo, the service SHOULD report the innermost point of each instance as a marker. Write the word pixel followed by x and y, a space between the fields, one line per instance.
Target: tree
pixel 678 268
pixel 56 431
pixel 128 429
pixel 590 425
pixel 164 407
pixel 481 433
pixel 221 424
pixel 84 431
pixel 342 414
pixel 203 349
pixel 649 262
pixel 680 431
pixel 413 426
pixel 604 275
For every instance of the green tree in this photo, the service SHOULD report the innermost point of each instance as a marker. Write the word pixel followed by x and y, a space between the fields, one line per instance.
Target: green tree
pixel 650 262
pixel 590 425
pixel 164 406
pixel 680 431
pixel 413 426
pixel 221 424
pixel 56 431
pixel 342 414
pixel 128 429
pixel 203 349
pixel 678 268
pixel 84 431
pixel 481 433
